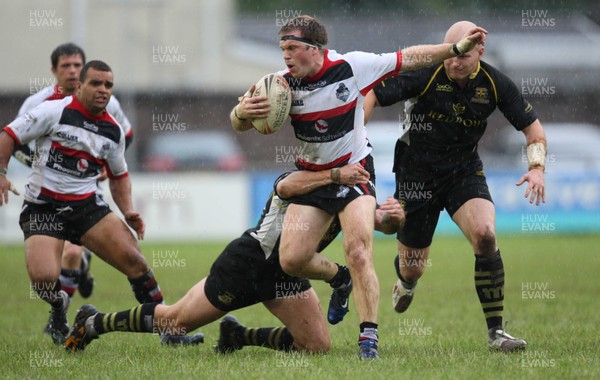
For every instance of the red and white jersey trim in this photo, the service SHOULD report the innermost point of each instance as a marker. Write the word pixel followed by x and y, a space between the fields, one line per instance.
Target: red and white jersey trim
pixel 327 113
pixel 71 148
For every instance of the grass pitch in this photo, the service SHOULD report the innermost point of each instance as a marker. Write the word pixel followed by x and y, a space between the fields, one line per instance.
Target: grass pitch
pixel 550 301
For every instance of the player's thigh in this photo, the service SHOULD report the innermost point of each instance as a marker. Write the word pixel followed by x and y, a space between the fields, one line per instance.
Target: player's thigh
pixel 358 220
pixel 192 311
pixel 42 257
pixel 477 219
pixel 302 230
pixel 114 243
pixel 303 317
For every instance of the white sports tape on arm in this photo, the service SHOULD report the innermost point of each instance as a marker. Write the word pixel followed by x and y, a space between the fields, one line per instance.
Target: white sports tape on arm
pixel 536 155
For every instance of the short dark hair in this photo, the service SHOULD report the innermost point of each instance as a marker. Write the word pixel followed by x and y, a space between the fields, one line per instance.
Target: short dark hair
pixel 66 49
pixel 96 65
pixel 310 28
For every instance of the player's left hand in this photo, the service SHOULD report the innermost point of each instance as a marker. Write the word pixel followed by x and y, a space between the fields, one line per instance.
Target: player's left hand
pixel 252 107
pixel 536 190
pixel 135 221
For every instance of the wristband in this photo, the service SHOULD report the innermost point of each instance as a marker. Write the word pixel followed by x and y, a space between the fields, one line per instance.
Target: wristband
pixel 536 155
pixel 236 115
pixel 335 175
pixel 454 49
pixel 3 172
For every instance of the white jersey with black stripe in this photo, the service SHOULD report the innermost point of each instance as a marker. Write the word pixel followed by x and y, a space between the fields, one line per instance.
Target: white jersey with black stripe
pixel 327 113
pixel 54 93
pixel 71 147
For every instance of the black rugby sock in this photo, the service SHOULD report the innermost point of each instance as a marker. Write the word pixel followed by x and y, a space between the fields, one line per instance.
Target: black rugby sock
pixel 277 338
pixel 49 293
pixel 406 284
pixel 342 277
pixel 489 283
pixel 69 280
pixel 138 319
pixel 146 289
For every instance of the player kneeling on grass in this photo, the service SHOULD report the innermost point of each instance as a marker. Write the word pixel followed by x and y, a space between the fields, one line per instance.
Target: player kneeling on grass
pixel 247 272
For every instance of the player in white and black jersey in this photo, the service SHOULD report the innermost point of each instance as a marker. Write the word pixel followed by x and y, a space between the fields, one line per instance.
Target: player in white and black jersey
pixel 247 272
pixel 67 60
pixel 75 138
pixel 328 91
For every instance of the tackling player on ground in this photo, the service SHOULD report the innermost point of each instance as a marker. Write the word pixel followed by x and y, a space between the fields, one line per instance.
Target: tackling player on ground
pixel 446 115
pixel 247 272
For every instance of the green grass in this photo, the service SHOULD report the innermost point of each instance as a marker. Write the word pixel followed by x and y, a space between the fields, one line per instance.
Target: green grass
pixel 561 327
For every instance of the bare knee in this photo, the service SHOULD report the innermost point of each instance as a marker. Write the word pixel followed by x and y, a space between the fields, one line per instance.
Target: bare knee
pixel 137 264
pixel 168 321
pixel 71 256
pixel 132 262
pixel 484 239
pixel 413 263
pixel 293 263
pixel 315 344
pixel 358 255
pixel 40 276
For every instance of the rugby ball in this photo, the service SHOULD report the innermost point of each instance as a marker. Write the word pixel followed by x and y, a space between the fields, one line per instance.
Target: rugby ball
pixel 277 90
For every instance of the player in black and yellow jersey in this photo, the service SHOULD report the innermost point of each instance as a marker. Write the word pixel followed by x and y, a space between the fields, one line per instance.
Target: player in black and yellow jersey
pixel 437 167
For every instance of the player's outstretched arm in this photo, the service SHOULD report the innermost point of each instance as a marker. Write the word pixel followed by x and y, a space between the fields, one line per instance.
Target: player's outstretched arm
pixel 247 109
pixel 304 181
pixel 416 57
pixel 120 190
pixel 536 157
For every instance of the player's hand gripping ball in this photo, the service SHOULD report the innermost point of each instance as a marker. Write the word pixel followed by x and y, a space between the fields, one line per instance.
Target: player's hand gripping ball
pixel 277 90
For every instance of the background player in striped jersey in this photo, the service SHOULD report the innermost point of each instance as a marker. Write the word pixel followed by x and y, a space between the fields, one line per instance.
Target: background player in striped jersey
pixel 75 139
pixel 446 114
pixel 67 60
pixel 247 272
pixel 328 90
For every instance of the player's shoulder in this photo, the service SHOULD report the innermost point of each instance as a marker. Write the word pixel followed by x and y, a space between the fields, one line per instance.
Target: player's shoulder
pixel 53 107
pixel 492 71
pixel 36 99
pixel 350 57
pixel 497 77
pixel 433 72
pixel 113 104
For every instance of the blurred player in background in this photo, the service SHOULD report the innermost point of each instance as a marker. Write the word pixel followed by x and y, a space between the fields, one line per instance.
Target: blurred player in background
pixel 247 272
pixel 446 115
pixel 328 90
pixel 76 138
pixel 67 61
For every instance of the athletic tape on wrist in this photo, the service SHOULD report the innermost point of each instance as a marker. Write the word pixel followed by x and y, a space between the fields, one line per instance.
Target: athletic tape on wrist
pixel 454 49
pixel 536 155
